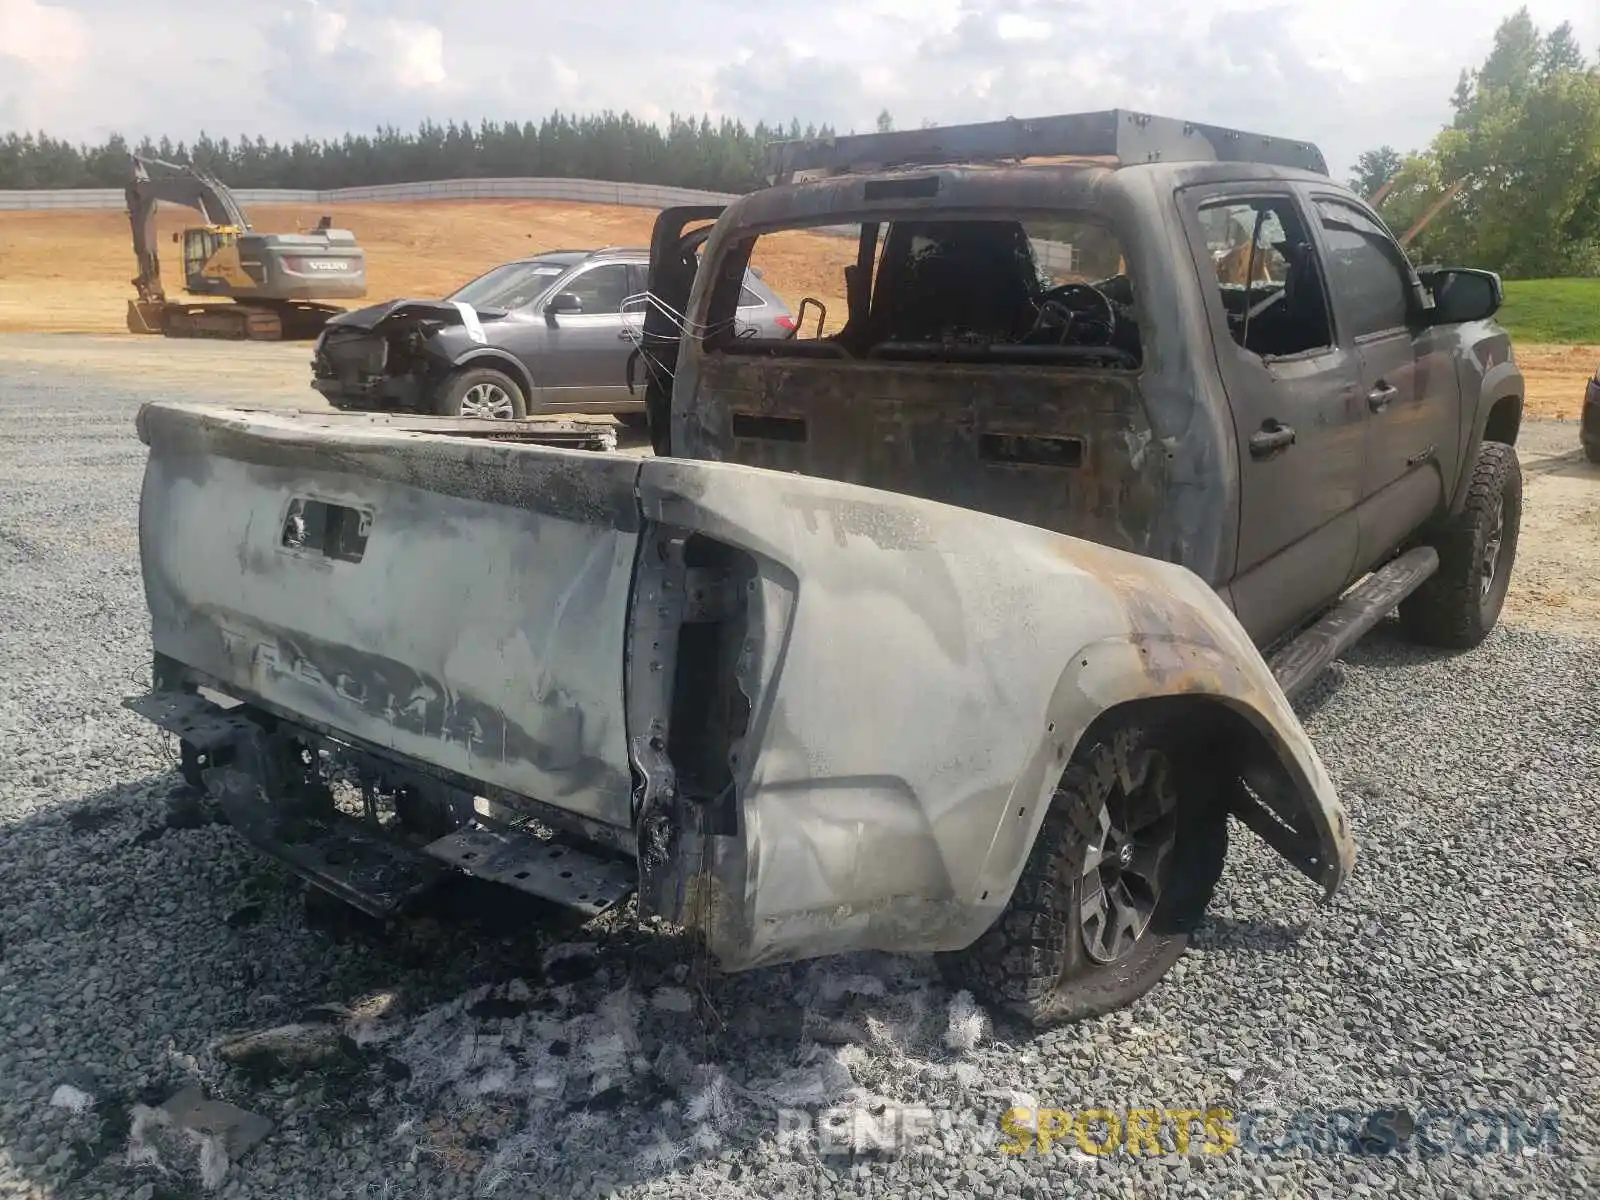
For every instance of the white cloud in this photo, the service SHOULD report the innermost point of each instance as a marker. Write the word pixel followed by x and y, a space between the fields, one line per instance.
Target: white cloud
pixel 44 35
pixel 417 53
pixel 326 28
pixel 1013 27
pixel 1348 76
pixel 564 75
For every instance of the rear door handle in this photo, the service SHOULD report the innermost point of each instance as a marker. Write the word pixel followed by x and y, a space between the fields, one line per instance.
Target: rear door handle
pixel 1378 398
pixel 1270 438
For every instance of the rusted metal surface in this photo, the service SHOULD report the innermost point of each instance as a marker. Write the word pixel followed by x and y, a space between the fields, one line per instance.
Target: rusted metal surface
pixel 994 644
pixel 1070 453
pixel 1168 419
pixel 1176 457
pixel 1118 135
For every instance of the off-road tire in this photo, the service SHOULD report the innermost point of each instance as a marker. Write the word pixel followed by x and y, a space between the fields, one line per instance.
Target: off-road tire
pixel 1451 610
pixel 1034 961
pixel 458 385
pixel 1591 451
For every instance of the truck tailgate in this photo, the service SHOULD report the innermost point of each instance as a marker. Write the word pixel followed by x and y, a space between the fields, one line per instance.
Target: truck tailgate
pixel 460 601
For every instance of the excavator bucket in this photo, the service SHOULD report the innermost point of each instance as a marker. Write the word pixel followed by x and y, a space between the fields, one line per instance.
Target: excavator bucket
pixel 144 317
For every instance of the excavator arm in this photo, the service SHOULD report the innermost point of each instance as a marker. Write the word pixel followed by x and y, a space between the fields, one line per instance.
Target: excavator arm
pixel 177 185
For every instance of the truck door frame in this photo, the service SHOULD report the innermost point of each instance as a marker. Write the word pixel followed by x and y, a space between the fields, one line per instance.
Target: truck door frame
pixel 1298 534
pixel 1413 395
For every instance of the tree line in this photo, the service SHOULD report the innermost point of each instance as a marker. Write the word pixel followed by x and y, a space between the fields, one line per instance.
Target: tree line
pixel 725 156
pixel 1513 182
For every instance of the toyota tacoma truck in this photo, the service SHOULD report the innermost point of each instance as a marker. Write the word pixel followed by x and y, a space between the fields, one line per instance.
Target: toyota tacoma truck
pixel 963 621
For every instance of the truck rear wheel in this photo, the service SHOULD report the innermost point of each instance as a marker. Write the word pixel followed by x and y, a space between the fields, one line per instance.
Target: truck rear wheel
pixel 482 392
pixel 1121 873
pixel 1477 547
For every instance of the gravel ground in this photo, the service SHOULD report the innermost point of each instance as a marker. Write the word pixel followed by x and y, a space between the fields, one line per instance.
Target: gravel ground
pixel 526 1056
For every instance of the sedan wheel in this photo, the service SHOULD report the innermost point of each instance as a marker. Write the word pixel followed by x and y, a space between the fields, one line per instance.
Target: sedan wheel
pixel 487 400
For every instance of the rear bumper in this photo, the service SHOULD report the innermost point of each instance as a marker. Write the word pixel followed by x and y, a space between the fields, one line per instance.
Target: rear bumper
pixel 253 764
pixel 245 756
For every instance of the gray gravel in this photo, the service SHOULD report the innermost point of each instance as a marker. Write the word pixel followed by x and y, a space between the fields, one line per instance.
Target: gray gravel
pixel 530 1057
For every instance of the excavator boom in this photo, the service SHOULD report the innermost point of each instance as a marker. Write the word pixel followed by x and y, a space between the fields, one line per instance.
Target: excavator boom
pixel 191 187
pixel 180 185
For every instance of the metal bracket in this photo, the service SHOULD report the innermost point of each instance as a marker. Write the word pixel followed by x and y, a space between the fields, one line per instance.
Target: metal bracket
pixel 338 854
pixel 202 723
pixel 553 870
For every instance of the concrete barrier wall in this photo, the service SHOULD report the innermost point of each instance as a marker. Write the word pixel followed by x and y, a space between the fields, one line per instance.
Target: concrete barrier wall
pixel 583 191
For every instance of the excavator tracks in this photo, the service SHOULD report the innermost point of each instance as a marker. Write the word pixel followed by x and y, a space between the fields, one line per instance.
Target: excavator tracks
pixel 236 322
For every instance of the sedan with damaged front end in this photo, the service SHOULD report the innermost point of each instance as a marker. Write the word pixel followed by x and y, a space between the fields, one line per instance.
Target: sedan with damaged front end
pixel 547 334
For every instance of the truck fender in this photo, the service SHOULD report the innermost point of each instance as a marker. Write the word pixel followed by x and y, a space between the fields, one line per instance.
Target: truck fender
pixel 1496 418
pixel 1276 784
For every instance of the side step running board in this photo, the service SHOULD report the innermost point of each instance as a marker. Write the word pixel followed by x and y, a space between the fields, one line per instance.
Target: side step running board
pixel 1356 612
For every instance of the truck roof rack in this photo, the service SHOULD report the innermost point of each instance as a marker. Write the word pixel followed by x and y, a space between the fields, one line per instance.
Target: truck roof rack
pixel 1117 134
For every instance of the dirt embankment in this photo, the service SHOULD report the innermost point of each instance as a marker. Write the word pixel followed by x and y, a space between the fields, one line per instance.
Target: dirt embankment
pixel 1557 377
pixel 70 271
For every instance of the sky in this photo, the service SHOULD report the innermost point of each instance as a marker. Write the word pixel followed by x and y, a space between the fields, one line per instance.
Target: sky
pixel 1348 76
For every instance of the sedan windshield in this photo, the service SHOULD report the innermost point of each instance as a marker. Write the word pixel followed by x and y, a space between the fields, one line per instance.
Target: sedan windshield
pixel 509 286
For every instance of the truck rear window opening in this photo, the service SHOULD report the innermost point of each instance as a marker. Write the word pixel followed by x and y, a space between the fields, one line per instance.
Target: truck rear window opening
pixel 1048 291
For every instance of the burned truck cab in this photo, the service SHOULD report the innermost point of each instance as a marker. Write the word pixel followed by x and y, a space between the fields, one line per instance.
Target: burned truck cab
pixel 1021 338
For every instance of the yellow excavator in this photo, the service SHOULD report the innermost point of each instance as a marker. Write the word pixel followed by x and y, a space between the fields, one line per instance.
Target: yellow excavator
pixel 273 279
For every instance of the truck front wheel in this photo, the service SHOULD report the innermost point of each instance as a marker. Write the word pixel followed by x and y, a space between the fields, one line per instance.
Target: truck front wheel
pixel 1461 603
pixel 1117 880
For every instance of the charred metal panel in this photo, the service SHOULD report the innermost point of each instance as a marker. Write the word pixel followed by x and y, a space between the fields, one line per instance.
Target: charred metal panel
pixel 673 263
pixel 568 486
pixel 1071 451
pixel 481 631
pixel 1173 401
pixel 918 675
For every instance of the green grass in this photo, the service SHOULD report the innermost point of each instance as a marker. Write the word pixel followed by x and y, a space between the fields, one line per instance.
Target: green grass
pixel 1552 310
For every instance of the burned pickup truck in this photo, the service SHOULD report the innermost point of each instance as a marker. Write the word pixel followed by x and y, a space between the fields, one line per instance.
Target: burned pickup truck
pixel 960 621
